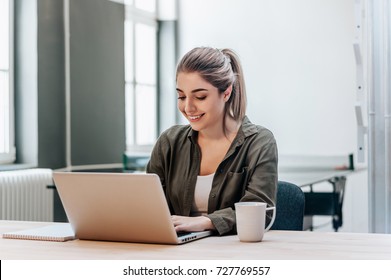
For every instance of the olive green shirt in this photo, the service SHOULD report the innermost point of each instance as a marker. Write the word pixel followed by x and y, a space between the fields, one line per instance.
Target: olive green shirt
pixel 248 172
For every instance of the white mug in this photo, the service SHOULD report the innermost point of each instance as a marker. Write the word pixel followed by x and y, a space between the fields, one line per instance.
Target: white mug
pixel 250 220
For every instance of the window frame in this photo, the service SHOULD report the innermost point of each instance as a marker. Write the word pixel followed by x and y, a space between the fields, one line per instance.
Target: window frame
pixel 138 16
pixel 10 156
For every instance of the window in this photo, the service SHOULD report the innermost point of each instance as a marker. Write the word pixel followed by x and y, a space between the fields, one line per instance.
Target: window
pixel 140 74
pixel 7 150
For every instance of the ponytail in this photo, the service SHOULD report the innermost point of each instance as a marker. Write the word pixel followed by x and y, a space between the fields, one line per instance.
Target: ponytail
pixel 238 101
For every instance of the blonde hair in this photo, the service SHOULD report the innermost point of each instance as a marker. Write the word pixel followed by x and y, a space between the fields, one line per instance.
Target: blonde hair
pixel 220 68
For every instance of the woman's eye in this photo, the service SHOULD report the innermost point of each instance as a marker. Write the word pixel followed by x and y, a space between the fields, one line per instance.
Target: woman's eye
pixel 181 97
pixel 201 97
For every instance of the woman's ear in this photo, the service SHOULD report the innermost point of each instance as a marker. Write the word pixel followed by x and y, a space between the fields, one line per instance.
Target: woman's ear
pixel 227 93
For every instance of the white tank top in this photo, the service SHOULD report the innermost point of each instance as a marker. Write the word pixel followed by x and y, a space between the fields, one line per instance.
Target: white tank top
pixel 201 195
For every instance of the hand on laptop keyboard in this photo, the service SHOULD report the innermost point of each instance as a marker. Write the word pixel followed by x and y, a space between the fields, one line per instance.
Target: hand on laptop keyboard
pixel 199 223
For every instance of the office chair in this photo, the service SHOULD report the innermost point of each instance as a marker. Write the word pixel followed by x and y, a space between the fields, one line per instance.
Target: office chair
pixel 327 203
pixel 289 207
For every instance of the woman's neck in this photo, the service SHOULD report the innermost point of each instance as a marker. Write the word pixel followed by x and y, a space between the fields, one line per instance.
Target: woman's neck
pixel 219 132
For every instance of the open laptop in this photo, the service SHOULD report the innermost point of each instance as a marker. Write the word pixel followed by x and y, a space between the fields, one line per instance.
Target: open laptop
pixel 126 207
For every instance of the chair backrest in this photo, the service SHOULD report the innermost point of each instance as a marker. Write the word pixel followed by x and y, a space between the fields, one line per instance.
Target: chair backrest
pixel 289 207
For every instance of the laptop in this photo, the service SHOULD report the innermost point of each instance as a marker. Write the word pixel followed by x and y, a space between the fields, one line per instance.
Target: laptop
pixel 125 207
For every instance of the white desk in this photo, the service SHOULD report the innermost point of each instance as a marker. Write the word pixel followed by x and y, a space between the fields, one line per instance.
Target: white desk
pixel 277 245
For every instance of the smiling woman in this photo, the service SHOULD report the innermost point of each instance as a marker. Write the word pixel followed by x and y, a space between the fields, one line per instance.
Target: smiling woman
pixel 219 158
pixel 200 102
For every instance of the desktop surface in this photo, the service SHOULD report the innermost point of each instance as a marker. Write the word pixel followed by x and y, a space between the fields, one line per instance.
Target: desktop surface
pixel 276 245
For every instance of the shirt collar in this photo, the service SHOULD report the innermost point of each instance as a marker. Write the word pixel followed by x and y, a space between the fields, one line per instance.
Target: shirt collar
pixel 192 135
pixel 246 129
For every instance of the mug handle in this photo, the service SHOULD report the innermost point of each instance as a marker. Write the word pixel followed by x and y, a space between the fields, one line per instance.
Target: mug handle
pixel 273 217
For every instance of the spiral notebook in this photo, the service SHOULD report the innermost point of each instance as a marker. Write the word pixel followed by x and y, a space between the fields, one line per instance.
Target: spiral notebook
pixel 58 232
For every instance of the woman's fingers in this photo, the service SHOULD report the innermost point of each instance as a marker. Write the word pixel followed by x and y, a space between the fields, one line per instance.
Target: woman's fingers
pixel 200 223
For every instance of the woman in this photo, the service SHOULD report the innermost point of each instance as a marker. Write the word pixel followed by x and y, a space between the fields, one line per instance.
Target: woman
pixel 219 158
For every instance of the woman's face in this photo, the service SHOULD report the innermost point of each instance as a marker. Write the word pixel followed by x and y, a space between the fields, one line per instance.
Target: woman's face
pixel 200 102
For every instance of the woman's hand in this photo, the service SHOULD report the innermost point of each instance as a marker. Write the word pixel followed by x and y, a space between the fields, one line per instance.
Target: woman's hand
pixel 199 223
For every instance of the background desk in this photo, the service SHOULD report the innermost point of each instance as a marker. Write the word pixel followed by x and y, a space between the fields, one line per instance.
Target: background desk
pixel 319 202
pixel 276 245
pixel 308 171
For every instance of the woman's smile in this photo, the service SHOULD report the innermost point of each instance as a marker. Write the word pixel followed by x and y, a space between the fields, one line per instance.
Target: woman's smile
pixel 195 118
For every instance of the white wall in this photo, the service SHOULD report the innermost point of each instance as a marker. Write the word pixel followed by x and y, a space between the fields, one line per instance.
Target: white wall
pixel 300 73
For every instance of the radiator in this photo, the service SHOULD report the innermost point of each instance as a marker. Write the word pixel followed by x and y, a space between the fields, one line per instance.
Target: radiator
pixel 24 195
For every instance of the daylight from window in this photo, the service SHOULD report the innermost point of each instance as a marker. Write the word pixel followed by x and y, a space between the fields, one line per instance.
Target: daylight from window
pixel 141 74
pixel 4 81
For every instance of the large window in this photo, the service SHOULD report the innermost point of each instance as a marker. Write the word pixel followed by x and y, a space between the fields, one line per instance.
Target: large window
pixel 141 74
pixel 7 150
